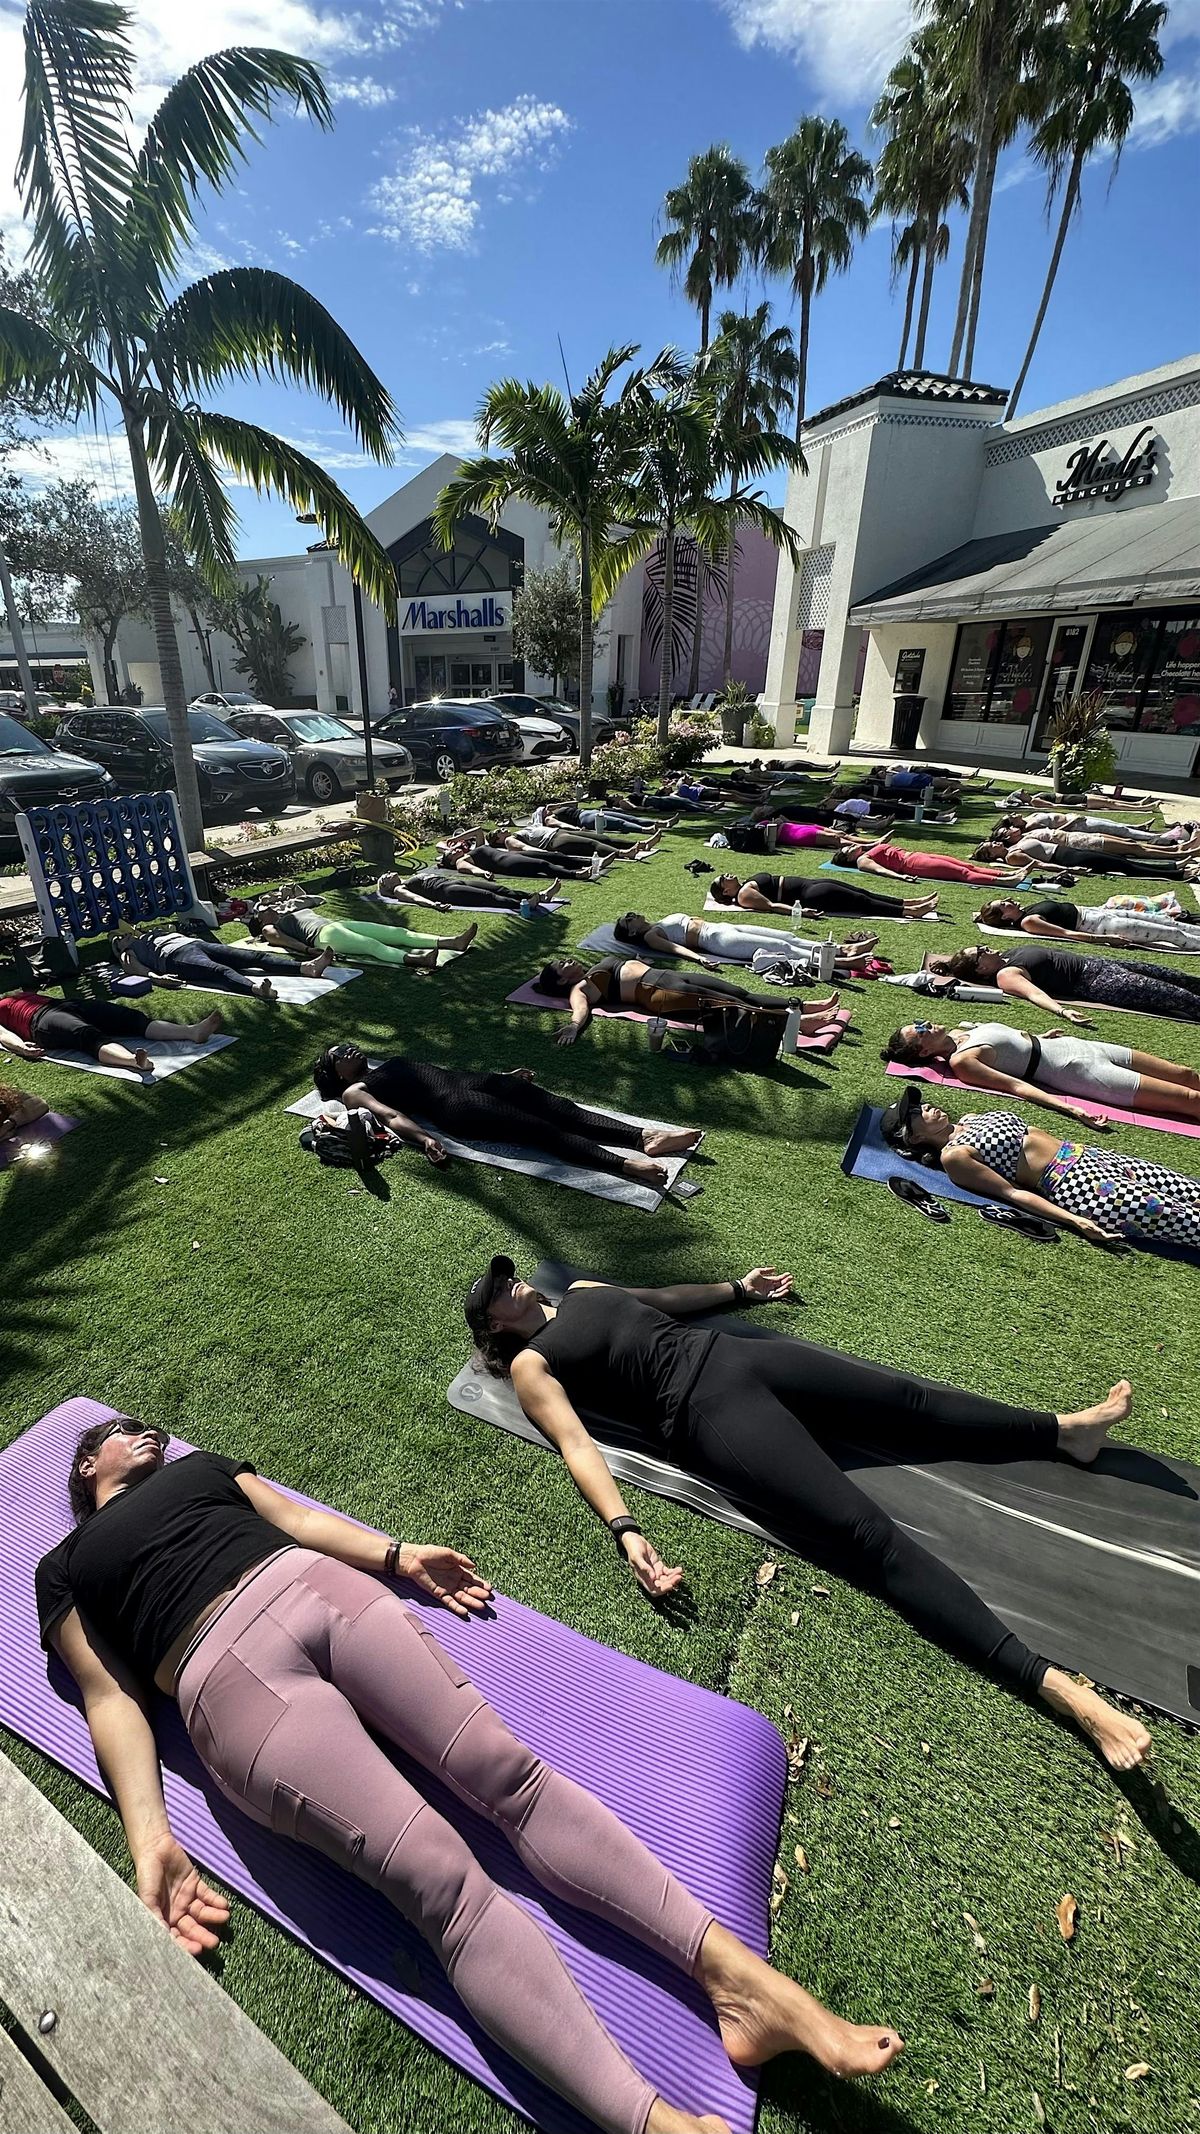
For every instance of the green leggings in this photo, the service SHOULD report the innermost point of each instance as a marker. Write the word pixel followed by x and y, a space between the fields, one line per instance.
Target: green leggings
pixel 360 941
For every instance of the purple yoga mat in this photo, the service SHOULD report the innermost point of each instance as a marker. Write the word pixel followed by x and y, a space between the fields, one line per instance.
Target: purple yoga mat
pixel 50 1127
pixel 698 1777
pixel 1118 1113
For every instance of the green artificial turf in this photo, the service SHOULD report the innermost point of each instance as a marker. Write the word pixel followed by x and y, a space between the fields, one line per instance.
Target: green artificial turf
pixel 181 1257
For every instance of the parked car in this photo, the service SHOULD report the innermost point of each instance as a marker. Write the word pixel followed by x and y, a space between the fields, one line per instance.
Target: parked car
pixel 328 758
pixel 14 700
pixel 541 736
pixel 451 734
pixel 225 701
pixel 604 728
pixel 135 746
pixel 34 775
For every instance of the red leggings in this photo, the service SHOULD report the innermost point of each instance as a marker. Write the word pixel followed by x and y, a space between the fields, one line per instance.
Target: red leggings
pixel 277 1696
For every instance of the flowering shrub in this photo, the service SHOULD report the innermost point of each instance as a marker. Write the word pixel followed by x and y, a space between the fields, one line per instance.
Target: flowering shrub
pixel 510 792
pixel 692 733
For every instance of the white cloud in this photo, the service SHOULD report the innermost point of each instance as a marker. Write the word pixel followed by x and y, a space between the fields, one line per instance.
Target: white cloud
pixel 77 456
pixel 846 46
pixel 429 202
pixel 437 437
pixel 1167 107
pixel 363 89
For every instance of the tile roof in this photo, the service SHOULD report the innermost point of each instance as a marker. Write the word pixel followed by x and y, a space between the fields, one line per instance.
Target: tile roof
pixel 916 385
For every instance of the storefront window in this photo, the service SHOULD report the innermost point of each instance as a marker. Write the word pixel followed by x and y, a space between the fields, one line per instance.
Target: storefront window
pixel 1122 649
pixel 1172 701
pixel 970 682
pixel 1017 674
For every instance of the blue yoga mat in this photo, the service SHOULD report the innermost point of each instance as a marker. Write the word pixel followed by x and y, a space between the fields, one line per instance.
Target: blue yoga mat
pixel 868 1156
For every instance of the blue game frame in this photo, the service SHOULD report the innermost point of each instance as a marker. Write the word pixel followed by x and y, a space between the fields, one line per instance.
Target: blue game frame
pixel 96 863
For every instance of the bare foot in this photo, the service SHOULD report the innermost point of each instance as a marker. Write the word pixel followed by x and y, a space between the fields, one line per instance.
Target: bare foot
pixel 761 2013
pixel 317 965
pixel 542 894
pixel 822 1007
pixel 1122 1742
pixel 266 991
pixel 422 959
pixel 1082 1435
pixel 207 1028
pixel 671 1140
pixel 143 1062
pixel 644 1172
pixel 463 940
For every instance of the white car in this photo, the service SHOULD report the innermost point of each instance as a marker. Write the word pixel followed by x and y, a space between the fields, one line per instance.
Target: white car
pixel 224 701
pixel 540 736
pixel 327 755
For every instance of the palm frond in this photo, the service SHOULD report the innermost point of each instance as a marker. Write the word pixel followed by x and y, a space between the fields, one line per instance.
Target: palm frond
pixel 201 131
pixel 200 503
pixel 75 168
pixel 269 463
pixel 615 559
pixel 36 364
pixel 245 321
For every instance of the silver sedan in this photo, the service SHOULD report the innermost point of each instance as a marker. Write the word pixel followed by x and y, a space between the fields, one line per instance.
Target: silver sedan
pixel 327 754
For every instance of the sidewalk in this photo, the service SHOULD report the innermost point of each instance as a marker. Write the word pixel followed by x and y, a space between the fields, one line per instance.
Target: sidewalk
pixel 1178 799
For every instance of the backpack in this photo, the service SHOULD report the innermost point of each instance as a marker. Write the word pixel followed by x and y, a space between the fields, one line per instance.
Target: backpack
pixel 747 835
pixel 347 1140
pixel 734 1036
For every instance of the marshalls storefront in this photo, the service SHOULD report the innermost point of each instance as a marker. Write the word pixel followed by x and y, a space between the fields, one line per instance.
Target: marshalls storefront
pixel 964 575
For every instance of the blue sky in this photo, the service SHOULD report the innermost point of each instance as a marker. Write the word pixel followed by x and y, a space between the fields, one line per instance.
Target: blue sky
pixel 496 171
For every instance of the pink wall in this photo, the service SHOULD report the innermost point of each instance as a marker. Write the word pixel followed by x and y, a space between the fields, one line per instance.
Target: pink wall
pixel 753 602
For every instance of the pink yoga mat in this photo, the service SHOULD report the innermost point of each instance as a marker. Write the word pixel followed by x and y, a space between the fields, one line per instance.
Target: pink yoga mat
pixel 1116 1112
pixel 825 1040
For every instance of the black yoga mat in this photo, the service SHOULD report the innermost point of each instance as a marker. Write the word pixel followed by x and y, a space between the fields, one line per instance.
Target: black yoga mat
pixel 1096 1568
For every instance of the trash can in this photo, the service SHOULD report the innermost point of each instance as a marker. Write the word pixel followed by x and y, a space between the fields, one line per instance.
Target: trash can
pixel 906 721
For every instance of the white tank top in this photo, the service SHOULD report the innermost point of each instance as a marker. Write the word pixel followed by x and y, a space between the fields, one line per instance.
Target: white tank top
pixel 1010 1049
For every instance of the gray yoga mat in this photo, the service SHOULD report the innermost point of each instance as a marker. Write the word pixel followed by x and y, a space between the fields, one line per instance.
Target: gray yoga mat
pixel 535 1163
pixel 1096 1568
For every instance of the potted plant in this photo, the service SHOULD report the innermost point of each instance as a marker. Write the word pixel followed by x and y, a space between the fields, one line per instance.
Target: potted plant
pixel 1081 749
pixel 735 706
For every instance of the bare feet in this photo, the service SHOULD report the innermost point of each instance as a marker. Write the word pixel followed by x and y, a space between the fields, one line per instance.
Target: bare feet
pixel 266 991
pixel 644 1172
pixel 761 2013
pixel 463 940
pixel 822 1007
pixel 143 1062
pixel 670 1140
pixel 1082 1435
pixel 208 1027
pixel 317 965
pixel 1122 1742
pixel 921 907
pixel 422 959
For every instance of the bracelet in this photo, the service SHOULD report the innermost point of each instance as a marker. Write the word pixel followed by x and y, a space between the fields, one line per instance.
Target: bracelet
pixel 619 1527
pixel 392 1559
pixel 741 1294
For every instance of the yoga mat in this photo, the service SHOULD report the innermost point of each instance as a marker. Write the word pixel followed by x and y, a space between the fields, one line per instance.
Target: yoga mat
pixel 1118 1113
pixel 832 1034
pixel 1096 1568
pixel 535 1163
pixel 49 1128
pixel 168 1059
pixel 919 882
pixel 965 990
pixel 699 1778
pixel 293 992
pixel 1157 948
pixel 372 896
pixel 869 920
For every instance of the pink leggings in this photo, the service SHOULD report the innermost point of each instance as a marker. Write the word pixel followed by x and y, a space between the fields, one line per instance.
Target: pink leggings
pixel 274 1696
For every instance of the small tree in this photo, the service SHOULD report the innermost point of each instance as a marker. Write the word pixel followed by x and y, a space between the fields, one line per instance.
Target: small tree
pixel 266 643
pixel 546 622
pixel 72 550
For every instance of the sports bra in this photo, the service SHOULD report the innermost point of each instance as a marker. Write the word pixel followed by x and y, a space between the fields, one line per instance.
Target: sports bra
pixel 997 1138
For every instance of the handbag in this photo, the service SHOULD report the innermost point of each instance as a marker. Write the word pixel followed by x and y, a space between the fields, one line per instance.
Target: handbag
pixel 735 1036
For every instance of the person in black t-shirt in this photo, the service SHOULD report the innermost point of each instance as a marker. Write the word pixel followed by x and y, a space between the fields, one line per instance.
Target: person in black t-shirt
pixel 290 1662
pixel 1047 976
pixel 755 1417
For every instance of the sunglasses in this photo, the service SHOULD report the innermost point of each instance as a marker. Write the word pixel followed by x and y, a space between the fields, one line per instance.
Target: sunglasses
pixel 128 1426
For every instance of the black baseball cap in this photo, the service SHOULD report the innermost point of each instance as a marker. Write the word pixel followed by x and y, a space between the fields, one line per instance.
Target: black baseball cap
pixel 899 1116
pixel 477 1302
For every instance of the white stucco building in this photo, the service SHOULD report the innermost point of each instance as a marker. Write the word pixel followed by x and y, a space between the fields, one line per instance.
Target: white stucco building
pixel 990 568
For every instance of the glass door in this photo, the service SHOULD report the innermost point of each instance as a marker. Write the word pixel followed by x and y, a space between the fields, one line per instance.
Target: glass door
pixel 429 669
pixel 1063 668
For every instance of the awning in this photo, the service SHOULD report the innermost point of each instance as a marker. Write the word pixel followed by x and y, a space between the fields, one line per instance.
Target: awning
pixel 1147 554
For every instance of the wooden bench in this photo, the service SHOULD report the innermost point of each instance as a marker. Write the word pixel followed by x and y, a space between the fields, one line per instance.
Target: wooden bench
pixel 137 2032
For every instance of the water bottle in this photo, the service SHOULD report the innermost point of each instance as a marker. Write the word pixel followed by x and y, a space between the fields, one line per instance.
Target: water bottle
pixel 826 957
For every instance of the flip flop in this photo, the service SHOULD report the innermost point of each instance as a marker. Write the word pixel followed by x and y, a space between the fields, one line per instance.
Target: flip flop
pixel 915 1195
pixel 1034 1227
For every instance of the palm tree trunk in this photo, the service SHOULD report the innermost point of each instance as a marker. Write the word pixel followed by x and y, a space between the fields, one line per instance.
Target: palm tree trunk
pixel 666 663
pixel 705 311
pixel 693 687
pixel 926 293
pixel 989 180
pixel 1070 199
pixel 730 568
pixel 802 359
pixel 979 205
pixel 17 635
pixel 166 639
pixel 909 296
pixel 585 647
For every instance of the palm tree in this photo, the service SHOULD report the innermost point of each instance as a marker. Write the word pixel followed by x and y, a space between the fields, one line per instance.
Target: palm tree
pixel 1103 46
pixel 815 206
pixel 568 458
pixel 714 219
pixel 110 229
pixel 752 371
pixel 922 169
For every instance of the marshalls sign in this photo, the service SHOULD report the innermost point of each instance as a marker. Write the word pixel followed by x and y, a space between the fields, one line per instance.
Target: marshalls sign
pixel 469 611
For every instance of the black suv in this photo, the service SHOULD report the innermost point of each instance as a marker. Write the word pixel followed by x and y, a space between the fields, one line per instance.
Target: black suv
pixel 34 775
pixel 135 746
pixel 450 735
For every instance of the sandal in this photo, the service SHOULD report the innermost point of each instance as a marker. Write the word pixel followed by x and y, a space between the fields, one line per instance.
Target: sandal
pixel 1034 1227
pixel 915 1195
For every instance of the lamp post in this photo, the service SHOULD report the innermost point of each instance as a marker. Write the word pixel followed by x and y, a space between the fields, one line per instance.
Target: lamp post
pixel 309 518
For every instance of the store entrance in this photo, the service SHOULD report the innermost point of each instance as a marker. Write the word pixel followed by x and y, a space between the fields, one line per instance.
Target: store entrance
pixel 1064 668
pixel 440 674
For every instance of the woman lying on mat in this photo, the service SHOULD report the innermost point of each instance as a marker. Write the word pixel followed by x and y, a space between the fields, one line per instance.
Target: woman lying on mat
pixel 627 982
pixel 435 891
pixel 494 1107
pixel 352 940
pixel 280 1631
pixel 1107 838
pixel 1137 922
pixel 896 861
pixel 1100 1194
pixel 17 1109
pixel 1052 853
pixel 1103 825
pixel 175 959
pixel 466 856
pixel 782 892
pixel 802 834
pixel 995 1056
pixel 576 844
pixel 1046 976
pixel 573 815
pixel 31 1026
pixel 755 1417
pixel 701 941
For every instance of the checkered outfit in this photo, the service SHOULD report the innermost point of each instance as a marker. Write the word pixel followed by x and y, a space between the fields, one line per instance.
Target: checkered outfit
pixel 1125 1195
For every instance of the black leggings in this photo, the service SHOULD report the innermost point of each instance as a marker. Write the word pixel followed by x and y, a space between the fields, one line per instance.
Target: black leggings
pixel 1164 868
pixel 845 897
pixel 226 969
pixel 580 844
pixel 498 860
pixel 756 1418
pixel 87 1025
pixel 1152 988
pixel 692 989
pixel 501 1107
pixel 464 892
